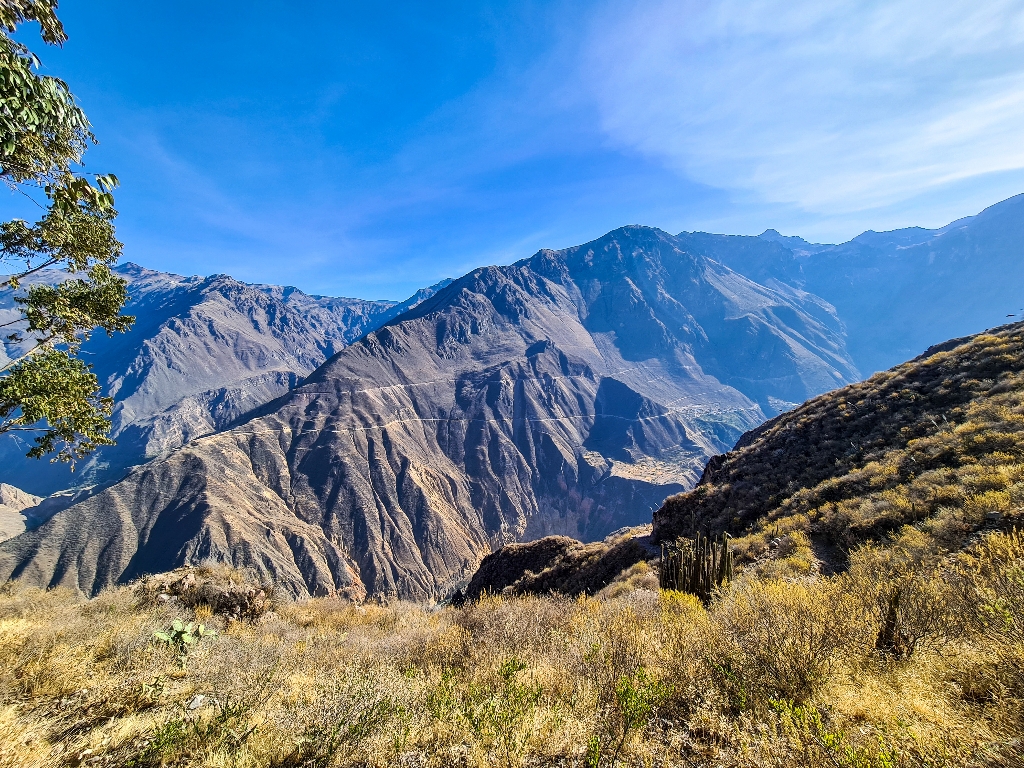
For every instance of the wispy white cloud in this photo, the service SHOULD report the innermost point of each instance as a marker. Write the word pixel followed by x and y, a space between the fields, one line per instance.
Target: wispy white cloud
pixel 835 107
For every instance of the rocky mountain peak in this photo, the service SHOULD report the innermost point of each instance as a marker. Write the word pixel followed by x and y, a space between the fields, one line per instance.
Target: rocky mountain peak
pixel 567 393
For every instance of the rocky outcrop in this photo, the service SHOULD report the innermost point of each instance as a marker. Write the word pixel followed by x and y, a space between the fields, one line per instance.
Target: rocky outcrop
pixel 223 590
pixel 558 564
pixel 567 394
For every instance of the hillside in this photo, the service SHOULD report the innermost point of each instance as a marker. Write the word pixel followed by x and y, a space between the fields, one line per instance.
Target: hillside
pixel 788 673
pixel 203 352
pixel 569 393
pixel 936 443
pixel 896 292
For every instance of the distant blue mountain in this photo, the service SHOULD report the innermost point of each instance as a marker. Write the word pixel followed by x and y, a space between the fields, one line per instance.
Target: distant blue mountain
pixel 896 292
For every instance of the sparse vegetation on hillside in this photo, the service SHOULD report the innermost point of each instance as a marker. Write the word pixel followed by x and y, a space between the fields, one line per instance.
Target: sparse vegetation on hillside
pixel 772 672
pixel 559 564
pixel 937 443
pixel 906 649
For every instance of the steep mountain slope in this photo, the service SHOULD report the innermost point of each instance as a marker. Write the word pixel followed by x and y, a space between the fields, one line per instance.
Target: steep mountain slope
pixel 12 502
pixel 937 442
pixel 897 292
pixel 203 352
pixel 567 393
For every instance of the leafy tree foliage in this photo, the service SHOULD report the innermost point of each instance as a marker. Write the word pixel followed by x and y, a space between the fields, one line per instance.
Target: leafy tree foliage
pixel 45 388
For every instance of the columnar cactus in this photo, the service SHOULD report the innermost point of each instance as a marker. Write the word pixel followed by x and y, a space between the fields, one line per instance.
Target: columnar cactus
pixel 698 566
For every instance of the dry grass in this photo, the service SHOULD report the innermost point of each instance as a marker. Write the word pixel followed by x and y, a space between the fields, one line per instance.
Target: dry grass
pixel 774 672
pixel 937 443
pixel 879 622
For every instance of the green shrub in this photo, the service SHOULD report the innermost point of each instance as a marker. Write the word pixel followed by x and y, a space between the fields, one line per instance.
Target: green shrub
pixel 637 699
pixel 820 742
pixel 502 716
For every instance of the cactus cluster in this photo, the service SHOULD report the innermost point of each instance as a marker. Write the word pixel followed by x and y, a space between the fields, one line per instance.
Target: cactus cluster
pixel 697 566
pixel 181 635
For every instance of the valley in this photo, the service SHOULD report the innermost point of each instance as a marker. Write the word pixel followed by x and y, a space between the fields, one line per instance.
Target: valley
pixel 906 649
pixel 513 403
pixel 374 448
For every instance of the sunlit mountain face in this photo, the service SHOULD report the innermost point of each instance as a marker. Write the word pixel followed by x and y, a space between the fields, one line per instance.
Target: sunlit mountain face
pixel 569 393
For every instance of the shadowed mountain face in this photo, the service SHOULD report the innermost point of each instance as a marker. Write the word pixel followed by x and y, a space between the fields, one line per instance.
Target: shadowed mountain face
pixel 897 292
pixel 203 352
pixel 566 394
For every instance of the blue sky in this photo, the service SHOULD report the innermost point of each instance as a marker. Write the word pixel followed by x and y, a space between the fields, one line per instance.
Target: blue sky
pixel 368 149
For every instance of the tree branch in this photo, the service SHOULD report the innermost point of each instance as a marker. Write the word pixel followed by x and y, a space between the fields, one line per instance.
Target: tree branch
pixel 39 344
pixel 31 271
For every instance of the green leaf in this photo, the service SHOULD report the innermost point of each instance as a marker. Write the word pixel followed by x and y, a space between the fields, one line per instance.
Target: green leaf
pixel 43 137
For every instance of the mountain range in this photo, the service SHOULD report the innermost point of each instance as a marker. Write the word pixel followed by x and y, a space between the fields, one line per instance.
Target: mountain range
pixel 202 352
pixel 566 394
pixel 897 292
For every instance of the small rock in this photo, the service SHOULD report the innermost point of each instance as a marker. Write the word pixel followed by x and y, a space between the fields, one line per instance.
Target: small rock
pixel 993 516
pixel 163 597
pixel 197 701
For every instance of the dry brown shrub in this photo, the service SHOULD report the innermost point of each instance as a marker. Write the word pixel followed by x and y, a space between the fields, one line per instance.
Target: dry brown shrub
pixel 789 637
pixel 434 647
pixel 906 594
pixel 327 615
pixel 990 576
pixel 993 575
pixel 515 625
pixel 352 710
